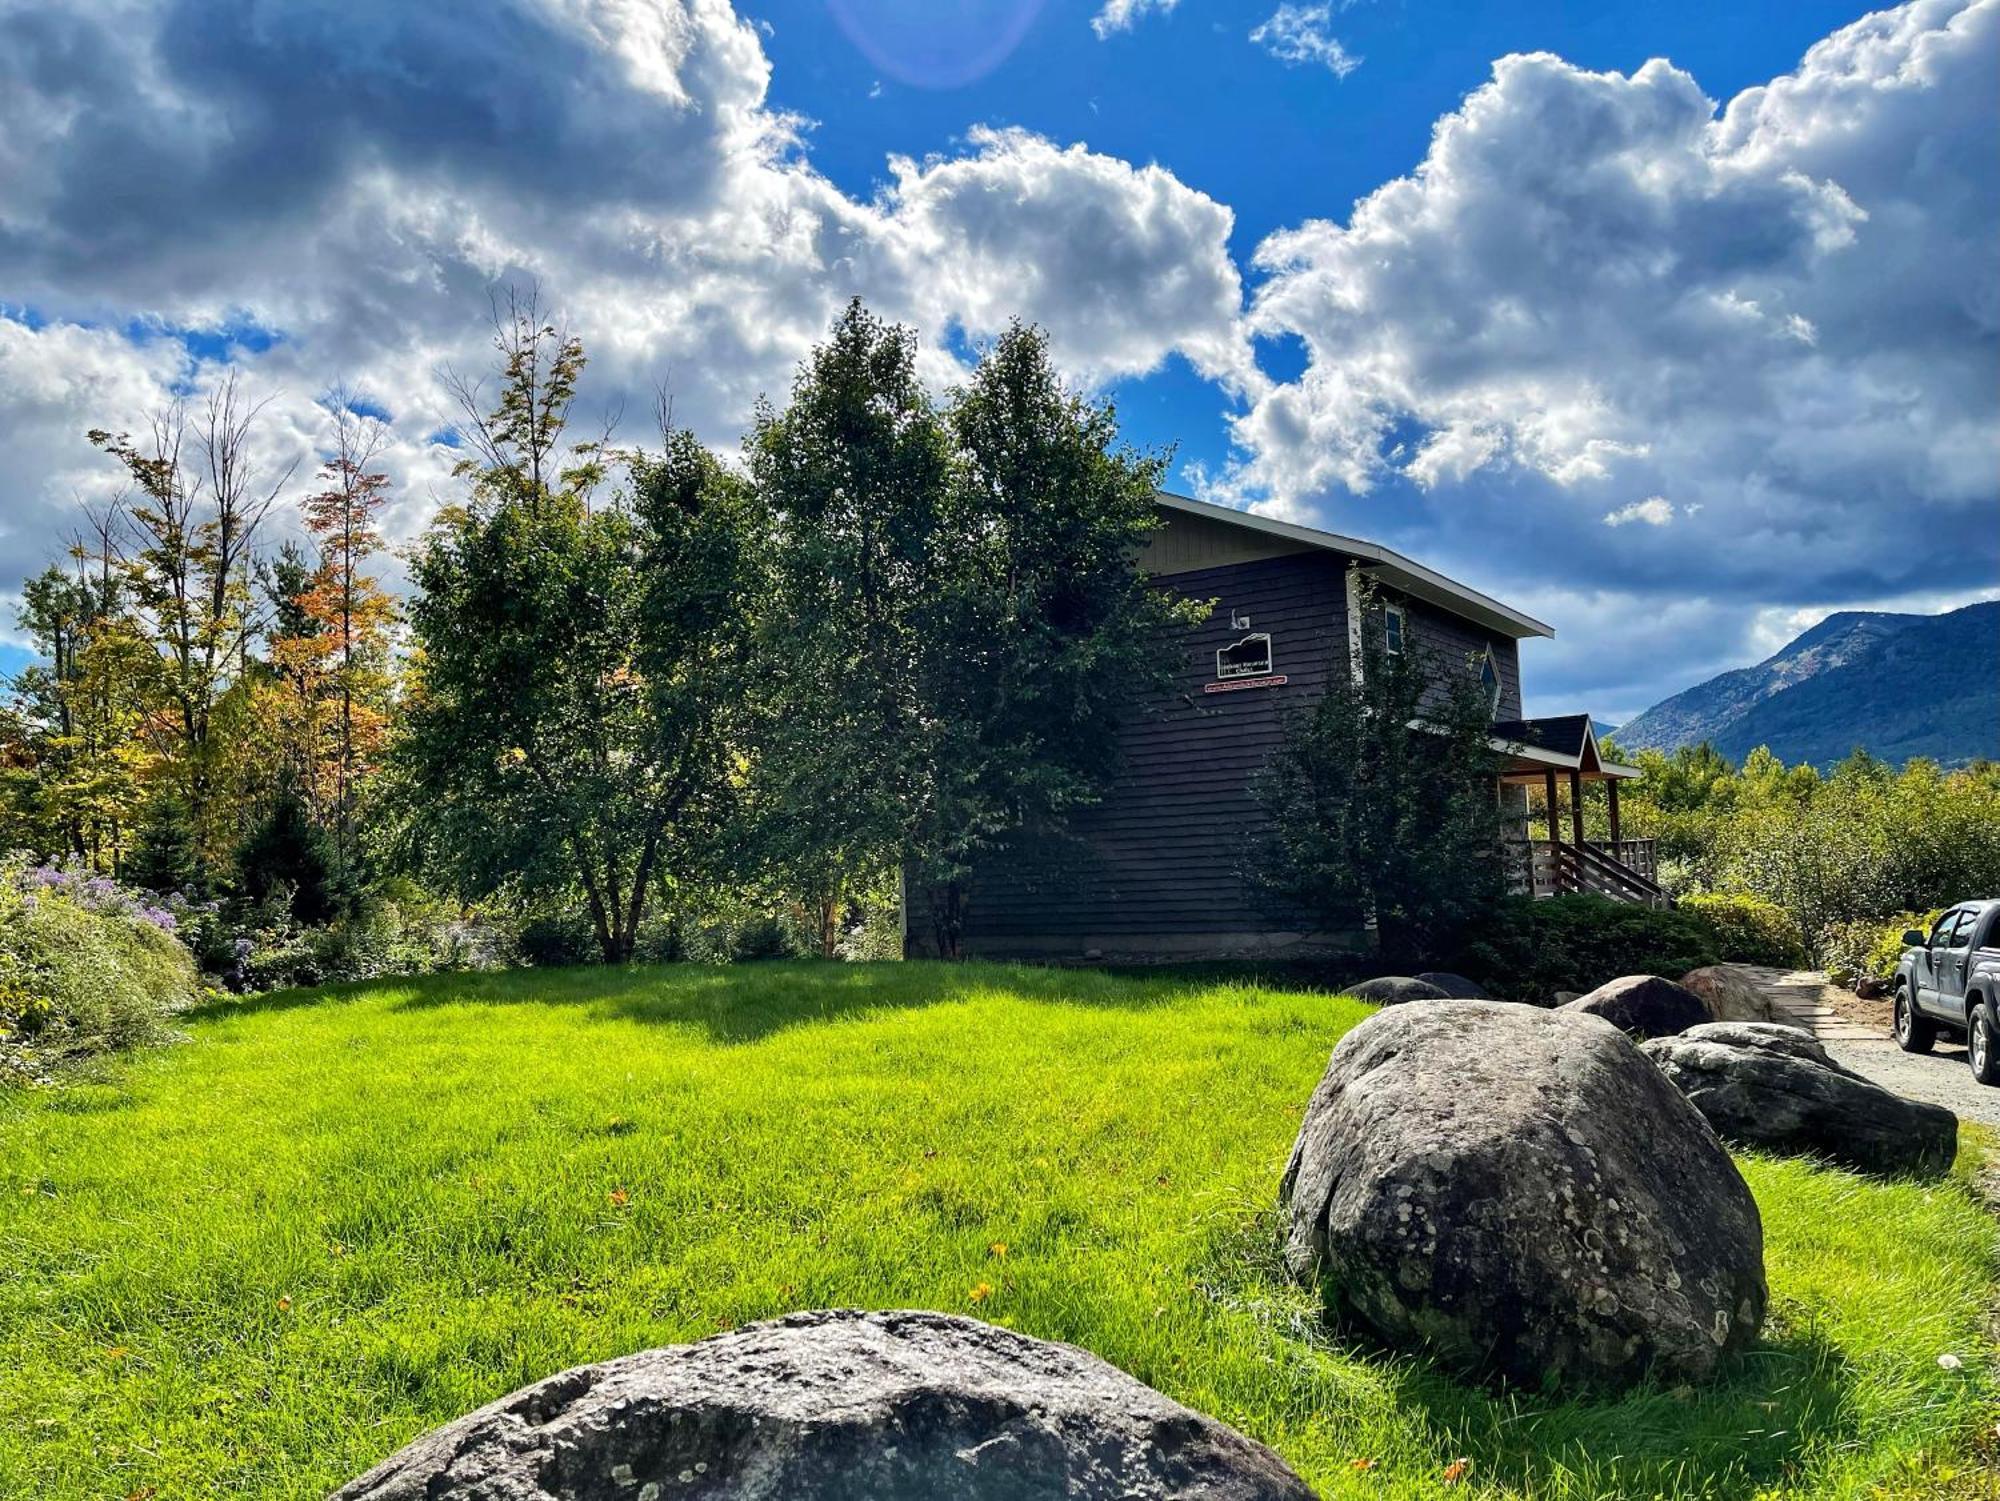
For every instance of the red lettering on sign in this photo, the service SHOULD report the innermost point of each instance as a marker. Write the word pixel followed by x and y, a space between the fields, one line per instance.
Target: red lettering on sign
pixel 1235 685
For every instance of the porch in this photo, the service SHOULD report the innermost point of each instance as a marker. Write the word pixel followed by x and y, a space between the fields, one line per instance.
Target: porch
pixel 1551 754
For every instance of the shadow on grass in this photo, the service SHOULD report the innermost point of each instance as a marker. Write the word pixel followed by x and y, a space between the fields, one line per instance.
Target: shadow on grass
pixel 1751 1428
pixel 742 1003
pixel 1755 1426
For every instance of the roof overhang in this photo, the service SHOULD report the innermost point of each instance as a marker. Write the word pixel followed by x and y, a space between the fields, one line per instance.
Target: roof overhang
pixel 1392 568
pixel 1529 764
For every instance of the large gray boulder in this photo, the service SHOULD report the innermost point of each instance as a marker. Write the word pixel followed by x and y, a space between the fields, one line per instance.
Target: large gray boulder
pixel 1458 987
pixel 1730 994
pixel 1775 1088
pixel 1394 990
pixel 1521 1192
pixel 836 1406
pixel 1643 1006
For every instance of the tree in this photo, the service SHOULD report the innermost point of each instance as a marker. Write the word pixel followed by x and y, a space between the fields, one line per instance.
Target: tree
pixel 353 613
pixel 200 497
pixel 325 701
pixel 84 716
pixel 855 476
pixel 576 667
pixel 1380 804
pixel 957 625
pixel 1048 636
pixel 285 856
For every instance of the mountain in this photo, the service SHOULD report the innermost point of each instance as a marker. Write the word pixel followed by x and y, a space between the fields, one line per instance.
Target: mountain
pixel 1898 685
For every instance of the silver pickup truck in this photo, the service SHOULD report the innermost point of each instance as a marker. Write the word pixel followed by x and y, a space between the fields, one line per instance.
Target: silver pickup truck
pixel 1949 980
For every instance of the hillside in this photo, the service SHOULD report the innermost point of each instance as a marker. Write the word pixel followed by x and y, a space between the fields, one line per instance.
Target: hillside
pixel 1898 685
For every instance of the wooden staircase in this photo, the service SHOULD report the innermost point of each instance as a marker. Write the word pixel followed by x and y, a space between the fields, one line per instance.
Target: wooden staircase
pixel 1623 872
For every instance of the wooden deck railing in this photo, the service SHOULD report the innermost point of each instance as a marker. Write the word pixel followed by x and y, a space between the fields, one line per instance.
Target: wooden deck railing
pixel 1626 871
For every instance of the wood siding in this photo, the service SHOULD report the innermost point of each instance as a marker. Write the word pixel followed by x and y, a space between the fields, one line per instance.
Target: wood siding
pixel 1455 639
pixel 1155 870
pixel 1159 867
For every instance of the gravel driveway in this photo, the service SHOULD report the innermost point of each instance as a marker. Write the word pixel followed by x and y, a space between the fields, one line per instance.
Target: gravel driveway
pixel 1852 1033
pixel 1942 1077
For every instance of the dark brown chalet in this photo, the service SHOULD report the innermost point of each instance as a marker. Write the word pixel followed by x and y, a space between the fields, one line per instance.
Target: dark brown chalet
pixel 1155 873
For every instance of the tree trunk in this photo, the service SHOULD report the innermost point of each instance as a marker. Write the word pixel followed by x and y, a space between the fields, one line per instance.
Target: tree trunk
pixel 948 918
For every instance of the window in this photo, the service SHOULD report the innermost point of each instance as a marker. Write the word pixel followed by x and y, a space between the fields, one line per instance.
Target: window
pixel 1489 680
pixel 1941 935
pixel 1392 630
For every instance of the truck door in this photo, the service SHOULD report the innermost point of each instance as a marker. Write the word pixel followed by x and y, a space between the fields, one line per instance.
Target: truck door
pixel 1952 968
pixel 1934 965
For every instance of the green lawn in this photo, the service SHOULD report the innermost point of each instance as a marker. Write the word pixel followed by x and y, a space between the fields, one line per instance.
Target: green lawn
pixel 255 1263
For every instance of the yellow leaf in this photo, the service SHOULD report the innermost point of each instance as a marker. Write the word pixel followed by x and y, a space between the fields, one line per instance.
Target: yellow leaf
pixel 620 1198
pixel 284 1305
pixel 1456 1471
pixel 117 1352
pixel 1361 1464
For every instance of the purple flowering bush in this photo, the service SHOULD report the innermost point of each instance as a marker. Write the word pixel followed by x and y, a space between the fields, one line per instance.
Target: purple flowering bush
pixel 84 964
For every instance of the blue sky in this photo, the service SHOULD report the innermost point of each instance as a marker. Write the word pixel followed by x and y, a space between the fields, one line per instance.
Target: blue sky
pixel 1191 91
pixel 1673 324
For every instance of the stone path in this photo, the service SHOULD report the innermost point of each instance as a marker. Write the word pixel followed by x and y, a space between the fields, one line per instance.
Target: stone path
pixel 1839 1018
pixel 1816 1003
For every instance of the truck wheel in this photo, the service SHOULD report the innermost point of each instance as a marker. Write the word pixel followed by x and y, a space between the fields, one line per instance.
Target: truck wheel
pixel 1914 1033
pixel 1982 1043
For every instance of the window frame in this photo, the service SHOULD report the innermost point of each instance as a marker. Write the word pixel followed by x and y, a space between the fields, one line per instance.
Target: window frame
pixel 1487 661
pixel 1394 641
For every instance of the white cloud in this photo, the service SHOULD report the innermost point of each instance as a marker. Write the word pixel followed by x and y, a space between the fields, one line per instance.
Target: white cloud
pixel 1123 15
pixel 1786 316
pixel 1298 34
pixel 1654 510
pixel 193 161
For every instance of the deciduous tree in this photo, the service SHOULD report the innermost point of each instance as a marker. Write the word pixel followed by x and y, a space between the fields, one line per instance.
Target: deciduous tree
pixel 577 667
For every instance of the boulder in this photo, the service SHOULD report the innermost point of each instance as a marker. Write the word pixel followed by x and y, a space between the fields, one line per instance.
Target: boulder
pixel 1730 994
pixel 1521 1193
pixel 836 1406
pixel 1774 1088
pixel 1456 986
pixel 1643 1006
pixel 1393 990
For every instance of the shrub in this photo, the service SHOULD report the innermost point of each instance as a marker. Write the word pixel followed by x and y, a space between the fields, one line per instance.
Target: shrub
pixel 1868 949
pixel 560 937
pixel 1749 929
pixel 85 964
pixel 1535 948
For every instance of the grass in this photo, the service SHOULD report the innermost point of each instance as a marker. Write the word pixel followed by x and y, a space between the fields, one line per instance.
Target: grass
pixel 255 1263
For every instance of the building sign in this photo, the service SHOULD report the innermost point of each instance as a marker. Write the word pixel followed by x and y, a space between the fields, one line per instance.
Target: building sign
pixel 1247 658
pixel 1244 663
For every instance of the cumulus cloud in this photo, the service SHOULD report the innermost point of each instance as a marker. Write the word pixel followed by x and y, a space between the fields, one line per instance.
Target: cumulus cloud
pixel 1654 510
pixel 1123 15
pixel 1298 34
pixel 1785 314
pixel 359 176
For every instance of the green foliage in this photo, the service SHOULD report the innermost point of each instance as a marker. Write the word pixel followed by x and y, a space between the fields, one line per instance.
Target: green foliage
pixel 283 1253
pixel 165 855
pixel 83 966
pixel 1532 949
pixel 1870 948
pixel 1837 852
pixel 1749 930
pixel 569 722
pixel 1379 804
pixel 289 861
pixel 957 626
